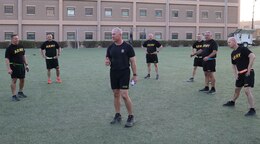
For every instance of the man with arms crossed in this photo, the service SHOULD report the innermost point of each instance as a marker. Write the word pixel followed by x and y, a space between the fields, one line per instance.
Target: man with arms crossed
pixel 119 56
pixel 51 50
pixel 16 64
pixel 242 60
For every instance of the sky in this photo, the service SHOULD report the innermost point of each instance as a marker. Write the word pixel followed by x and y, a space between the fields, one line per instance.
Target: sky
pixel 246 10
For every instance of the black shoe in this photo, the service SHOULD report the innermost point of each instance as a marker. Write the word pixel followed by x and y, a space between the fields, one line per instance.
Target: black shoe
pixel 157 77
pixel 130 121
pixel 191 80
pixel 21 95
pixel 147 77
pixel 212 91
pixel 117 119
pixel 206 89
pixel 229 104
pixel 15 98
pixel 251 112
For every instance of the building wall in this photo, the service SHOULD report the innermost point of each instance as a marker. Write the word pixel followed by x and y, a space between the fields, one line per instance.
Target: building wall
pixel 157 20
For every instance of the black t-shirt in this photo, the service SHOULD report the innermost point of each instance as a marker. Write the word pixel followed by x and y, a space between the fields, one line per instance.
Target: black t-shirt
pixel 208 48
pixel 119 55
pixel 15 54
pixel 198 45
pixel 51 48
pixel 239 57
pixel 151 45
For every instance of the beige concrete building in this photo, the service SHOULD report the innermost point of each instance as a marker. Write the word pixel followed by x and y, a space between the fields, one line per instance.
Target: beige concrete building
pixel 89 20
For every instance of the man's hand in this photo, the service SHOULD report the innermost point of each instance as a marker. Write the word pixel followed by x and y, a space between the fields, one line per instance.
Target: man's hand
pixel 27 68
pixel 10 71
pixel 107 61
pixel 206 58
pixel 248 73
pixel 134 78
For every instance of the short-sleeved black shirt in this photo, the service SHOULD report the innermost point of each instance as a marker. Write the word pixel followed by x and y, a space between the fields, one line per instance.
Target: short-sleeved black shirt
pixel 198 45
pixel 15 54
pixel 239 57
pixel 119 55
pixel 151 45
pixel 208 48
pixel 51 48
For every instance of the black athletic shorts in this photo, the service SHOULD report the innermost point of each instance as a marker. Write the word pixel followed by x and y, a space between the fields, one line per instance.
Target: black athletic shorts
pixel 246 81
pixel 209 66
pixel 18 71
pixel 198 62
pixel 151 58
pixel 52 63
pixel 119 79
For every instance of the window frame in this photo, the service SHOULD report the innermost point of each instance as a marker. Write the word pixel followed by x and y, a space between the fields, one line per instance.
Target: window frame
pixel 161 13
pixel 105 12
pixel 122 9
pixel 187 35
pixel 71 32
pixel 34 6
pixel 175 10
pixel 85 8
pixel 67 11
pixel 28 35
pixel 5 5
pixel 11 33
pixel 47 11
pixel 145 9
pixel 158 32
pixel 191 14
pixel 219 35
pixel 205 11
pixel 92 34
pixel 217 15
pixel 175 33
pixel 105 35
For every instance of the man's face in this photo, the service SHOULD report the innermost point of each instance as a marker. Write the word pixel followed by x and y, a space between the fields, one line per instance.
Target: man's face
pixel 199 37
pixel 15 40
pixel 207 36
pixel 49 37
pixel 116 36
pixel 231 43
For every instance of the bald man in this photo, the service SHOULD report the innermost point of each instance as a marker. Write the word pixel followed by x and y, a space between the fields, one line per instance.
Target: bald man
pixel 242 60
pixel 119 56
pixel 152 48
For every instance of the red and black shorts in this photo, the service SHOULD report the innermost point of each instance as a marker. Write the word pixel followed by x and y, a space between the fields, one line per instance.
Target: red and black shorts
pixel 119 79
pixel 246 81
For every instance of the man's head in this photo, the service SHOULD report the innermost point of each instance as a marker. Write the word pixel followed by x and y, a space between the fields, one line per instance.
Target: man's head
pixel 208 35
pixel 15 39
pixel 49 37
pixel 150 36
pixel 117 34
pixel 199 37
pixel 232 43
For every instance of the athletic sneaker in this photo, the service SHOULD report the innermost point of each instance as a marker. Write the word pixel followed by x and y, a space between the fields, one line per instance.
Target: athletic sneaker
pixel 229 104
pixel 15 98
pixel 21 95
pixel 191 80
pixel 205 89
pixel 58 80
pixel 116 119
pixel 251 112
pixel 147 77
pixel 49 81
pixel 212 91
pixel 130 121
pixel 157 77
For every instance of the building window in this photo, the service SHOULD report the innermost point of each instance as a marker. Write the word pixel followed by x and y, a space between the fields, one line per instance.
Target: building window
pixel 88 11
pixel 125 12
pixel 8 35
pixel 188 36
pixel 9 9
pixel 189 14
pixel 175 13
pixel 158 35
pixel 31 10
pixel 217 36
pixel 50 11
pixel 175 36
pixel 30 35
pixel 108 12
pixel 71 36
pixel 89 35
pixel 70 11
pixel 125 35
pixel 108 35
pixel 218 15
pixel 52 33
pixel 158 13
pixel 142 35
pixel 205 15
pixel 143 12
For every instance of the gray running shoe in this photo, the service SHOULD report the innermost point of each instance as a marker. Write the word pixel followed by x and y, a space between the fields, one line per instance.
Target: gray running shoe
pixel 157 77
pixel 21 95
pixel 130 121
pixel 116 119
pixel 15 98
pixel 147 77
pixel 191 80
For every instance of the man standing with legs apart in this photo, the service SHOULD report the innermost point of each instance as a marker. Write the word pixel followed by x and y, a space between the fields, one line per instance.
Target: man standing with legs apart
pixel 51 50
pixel 209 54
pixel 119 56
pixel 242 59
pixel 198 45
pixel 16 64
pixel 152 49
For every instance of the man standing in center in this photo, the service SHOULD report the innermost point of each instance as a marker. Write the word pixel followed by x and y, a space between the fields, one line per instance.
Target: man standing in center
pixel 51 50
pixel 119 56
pixel 151 50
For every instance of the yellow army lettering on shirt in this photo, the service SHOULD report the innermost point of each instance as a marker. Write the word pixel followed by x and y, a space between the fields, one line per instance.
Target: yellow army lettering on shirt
pixel 199 46
pixel 18 50
pixel 150 45
pixel 50 46
pixel 206 45
pixel 236 56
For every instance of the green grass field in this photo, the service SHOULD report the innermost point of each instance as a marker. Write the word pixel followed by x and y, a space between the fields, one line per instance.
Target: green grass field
pixel 168 111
